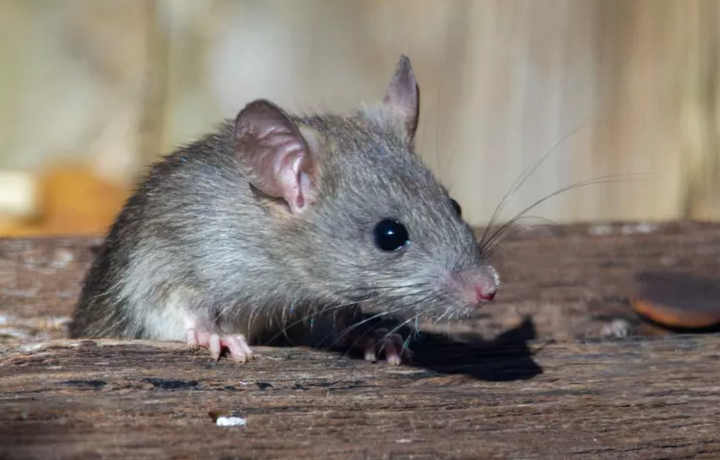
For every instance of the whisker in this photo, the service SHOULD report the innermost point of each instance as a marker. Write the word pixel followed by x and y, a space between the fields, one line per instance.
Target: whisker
pixel 489 248
pixel 427 298
pixel 354 326
pixel 594 181
pixel 515 186
pixel 313 311
pixel 439 318
pixel 381 288
pixel 360 323
pixel 330 308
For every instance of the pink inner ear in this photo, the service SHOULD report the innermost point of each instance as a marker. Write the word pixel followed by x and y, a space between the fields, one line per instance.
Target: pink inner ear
pixel 292 182
pixel 274 154
pixel 305 196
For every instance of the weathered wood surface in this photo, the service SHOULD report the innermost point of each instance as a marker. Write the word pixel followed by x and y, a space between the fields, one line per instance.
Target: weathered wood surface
pixel 657 398
pixel 488 392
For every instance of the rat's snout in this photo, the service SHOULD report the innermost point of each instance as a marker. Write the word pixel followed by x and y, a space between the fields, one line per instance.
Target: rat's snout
pixel 478 287
pixel 484 287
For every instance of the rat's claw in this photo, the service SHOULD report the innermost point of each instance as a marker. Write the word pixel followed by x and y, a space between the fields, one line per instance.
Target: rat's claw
pixel 392 356
pixel 192 339
pixel 370 349
pixel 395 350
pixel 392 345
pixel 239 349
pixel 371 342
pixel 214 346
pixel 237 344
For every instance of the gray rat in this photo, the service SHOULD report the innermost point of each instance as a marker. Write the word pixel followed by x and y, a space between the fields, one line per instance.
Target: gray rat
pixel 274 218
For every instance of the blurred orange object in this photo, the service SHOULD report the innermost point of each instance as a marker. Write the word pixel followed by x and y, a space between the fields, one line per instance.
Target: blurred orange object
pixel 72 200
pixel 677 299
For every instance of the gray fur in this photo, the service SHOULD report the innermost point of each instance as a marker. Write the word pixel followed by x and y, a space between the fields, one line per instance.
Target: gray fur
pixel 196 240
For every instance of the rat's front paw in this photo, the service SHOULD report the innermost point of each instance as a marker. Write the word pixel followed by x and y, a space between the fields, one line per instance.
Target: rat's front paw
pixel 370 340
pixel 237 345
pixel 380 341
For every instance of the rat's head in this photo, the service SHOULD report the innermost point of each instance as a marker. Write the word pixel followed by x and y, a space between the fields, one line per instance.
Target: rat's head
pixel 363 218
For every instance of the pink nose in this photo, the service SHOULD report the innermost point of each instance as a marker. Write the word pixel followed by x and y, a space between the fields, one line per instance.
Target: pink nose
pixel 484 294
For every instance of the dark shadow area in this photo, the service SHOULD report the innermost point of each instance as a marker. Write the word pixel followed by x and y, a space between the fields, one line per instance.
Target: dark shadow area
pixel 506 358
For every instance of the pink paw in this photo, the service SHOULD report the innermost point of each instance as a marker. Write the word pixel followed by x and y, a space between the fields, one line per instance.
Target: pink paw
pixel 237 345
pixel 391 345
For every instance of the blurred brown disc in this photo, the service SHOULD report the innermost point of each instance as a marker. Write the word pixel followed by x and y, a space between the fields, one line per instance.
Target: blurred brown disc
pixel 677 300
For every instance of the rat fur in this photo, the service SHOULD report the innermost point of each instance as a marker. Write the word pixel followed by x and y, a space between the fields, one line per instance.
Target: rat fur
pixel 232 239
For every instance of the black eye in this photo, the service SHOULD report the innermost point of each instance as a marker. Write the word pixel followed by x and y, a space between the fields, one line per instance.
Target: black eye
pixel 390 235
pixel 457 207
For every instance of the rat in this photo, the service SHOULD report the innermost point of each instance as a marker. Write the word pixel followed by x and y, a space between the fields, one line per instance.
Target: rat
pixel 274 218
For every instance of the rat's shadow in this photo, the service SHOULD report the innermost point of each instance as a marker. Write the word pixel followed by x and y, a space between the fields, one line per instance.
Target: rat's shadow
pixel 508 357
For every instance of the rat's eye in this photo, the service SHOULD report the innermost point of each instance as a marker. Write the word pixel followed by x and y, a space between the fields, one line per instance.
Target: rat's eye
pixel 457 207
pixel 390 235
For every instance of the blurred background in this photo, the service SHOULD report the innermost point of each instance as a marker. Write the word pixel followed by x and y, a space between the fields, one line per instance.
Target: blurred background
pixel 91 92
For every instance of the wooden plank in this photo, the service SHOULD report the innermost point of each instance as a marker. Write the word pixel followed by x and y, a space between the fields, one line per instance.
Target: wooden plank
pixel 656 398
pixel 40 280
pixel 485 390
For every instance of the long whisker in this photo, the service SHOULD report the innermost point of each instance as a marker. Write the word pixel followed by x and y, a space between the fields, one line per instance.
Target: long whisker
pixel 330 308
pixel 381 288
pixel 549 222
pixel 489 248
pixel 360 323
pixel 311 313
pixel 427 298
pixel 594 181
pixel 354 326
pixel 515 186
pixel 498 244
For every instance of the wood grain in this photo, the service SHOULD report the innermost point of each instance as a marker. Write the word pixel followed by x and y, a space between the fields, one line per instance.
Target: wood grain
pixel 530 377
pixel 633 399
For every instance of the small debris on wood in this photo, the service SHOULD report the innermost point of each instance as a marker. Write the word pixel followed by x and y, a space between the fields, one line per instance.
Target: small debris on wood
pixel 224 419
pixel 618 328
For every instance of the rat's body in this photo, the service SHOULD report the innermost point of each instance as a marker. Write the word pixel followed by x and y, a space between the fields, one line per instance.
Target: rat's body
pixel 245 232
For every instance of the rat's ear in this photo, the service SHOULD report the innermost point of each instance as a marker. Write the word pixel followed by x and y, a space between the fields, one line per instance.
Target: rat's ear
pixel 278 157
pixel 402 96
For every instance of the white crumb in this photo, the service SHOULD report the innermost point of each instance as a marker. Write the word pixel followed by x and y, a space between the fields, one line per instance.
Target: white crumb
pixel 230 421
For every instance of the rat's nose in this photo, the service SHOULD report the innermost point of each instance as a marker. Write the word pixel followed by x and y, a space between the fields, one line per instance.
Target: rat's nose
pixel 484 293
pixel 478 285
